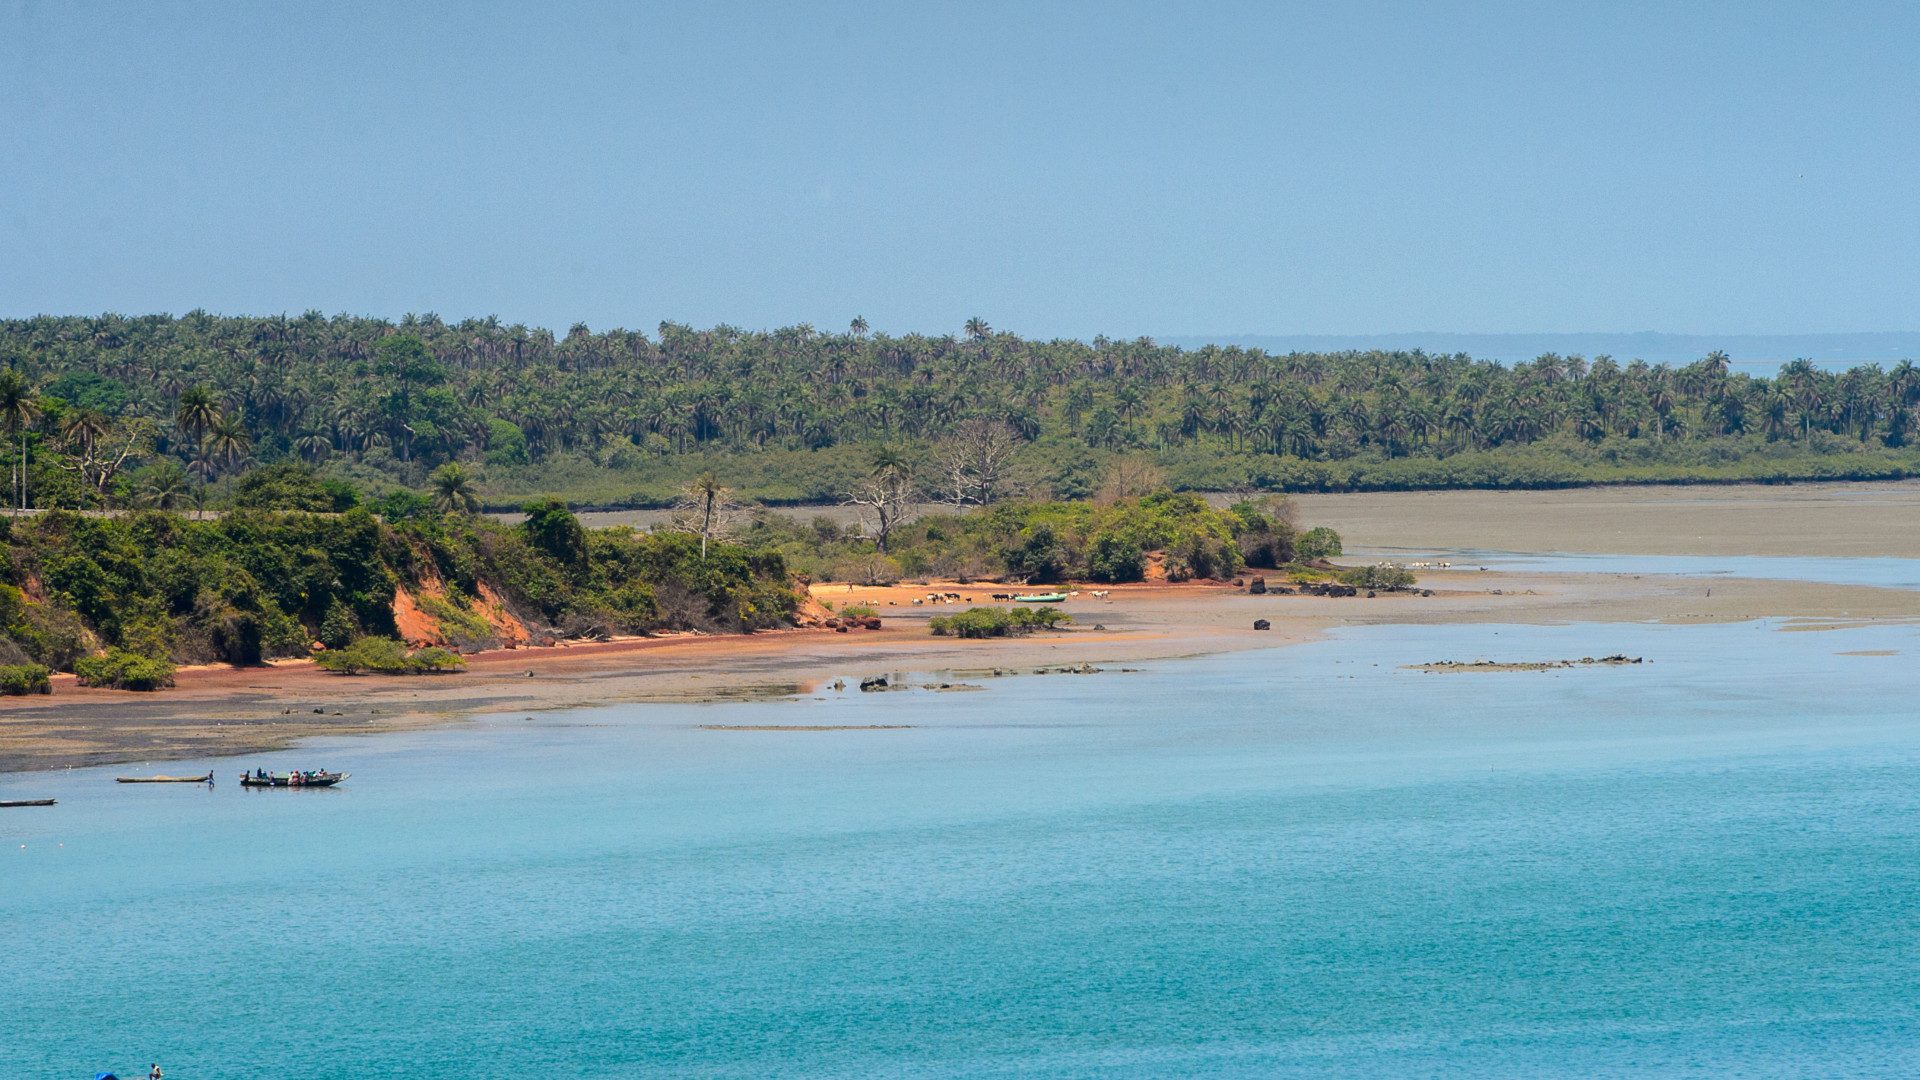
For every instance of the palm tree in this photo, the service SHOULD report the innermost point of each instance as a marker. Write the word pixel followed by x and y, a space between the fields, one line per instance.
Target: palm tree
pixel 453 490
pixel 313 444
pixel 196 412
pixel 164 487
pixel 1129 401
pixel 84 426
pixel 18 410
pixel 709 495
pixel 229 439
pixel 887 460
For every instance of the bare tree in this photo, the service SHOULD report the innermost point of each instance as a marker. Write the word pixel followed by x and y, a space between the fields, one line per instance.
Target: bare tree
pixel 89 443
pixel 885 497
pixel 973 461
pixel 1129 477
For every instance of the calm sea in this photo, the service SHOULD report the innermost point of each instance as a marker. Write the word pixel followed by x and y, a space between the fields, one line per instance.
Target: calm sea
pixel 1304 862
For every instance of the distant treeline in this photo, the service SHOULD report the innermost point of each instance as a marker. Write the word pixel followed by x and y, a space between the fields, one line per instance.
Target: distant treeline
pixel 614 416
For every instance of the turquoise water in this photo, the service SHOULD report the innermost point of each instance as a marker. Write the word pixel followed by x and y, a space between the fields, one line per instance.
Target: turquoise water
pixel 1304 862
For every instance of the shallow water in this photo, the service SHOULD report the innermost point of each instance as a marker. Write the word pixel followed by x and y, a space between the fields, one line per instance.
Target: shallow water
pixel 1299 862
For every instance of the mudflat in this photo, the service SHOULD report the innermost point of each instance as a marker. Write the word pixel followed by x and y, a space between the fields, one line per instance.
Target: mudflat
pixel 221 710
pixel 1837 520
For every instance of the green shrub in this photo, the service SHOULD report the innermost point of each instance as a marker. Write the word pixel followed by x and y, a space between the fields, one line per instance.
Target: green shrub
pixel 17 680
pixel 385 656
pixel 119 669
pixel 506 443
pixel 290 487
pixel 338 627
pixel 1318 543
pixel 1036 555
pixel 1112 557
pixel 859 611
pixel 981 622
pixel 457 622
pixel 1377 577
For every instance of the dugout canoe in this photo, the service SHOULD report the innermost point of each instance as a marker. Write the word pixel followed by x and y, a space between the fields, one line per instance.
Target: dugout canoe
pixel 207 779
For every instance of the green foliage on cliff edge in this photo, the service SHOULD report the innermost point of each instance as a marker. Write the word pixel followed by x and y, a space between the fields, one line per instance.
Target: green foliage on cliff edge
pixel 154 589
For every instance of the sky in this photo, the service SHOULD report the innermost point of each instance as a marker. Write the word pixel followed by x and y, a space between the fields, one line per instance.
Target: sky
pixel 1057 169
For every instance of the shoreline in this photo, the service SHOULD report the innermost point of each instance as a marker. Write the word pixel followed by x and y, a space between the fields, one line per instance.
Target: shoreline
pixel 222 711
pixel 226 712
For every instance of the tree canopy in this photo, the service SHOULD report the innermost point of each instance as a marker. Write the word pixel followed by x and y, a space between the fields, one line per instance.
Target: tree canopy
pixel 389 402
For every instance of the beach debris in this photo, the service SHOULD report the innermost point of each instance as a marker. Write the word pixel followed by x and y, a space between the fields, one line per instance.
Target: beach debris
pixel 1615 660
pixel 1262 624
pixel 1070 669
pixel 805 727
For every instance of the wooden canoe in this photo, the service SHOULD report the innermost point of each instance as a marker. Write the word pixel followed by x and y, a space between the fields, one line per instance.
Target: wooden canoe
pixel 315 780
pixel 26 802
pixel 207 779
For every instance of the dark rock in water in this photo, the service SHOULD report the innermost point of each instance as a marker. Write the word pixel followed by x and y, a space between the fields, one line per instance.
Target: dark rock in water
pixel 1262 624
pixel 873 682
pixel 1099 626
pixel 1370 595
pixel 839 629
pixel 1258 586
pixel 871 622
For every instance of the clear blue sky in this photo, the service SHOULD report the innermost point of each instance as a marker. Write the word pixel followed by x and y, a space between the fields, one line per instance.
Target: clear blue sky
pixel 1057 169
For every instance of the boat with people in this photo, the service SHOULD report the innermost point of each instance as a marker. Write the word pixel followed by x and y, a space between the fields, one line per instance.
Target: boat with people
pixel 207 779
pixel 302 778
pixel 1042 598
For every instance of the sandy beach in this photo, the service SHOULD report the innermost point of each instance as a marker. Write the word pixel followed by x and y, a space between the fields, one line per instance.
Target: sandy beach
pixel 226 711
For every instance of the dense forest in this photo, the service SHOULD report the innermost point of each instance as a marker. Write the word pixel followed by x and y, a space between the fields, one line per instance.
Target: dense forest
pixel 165 411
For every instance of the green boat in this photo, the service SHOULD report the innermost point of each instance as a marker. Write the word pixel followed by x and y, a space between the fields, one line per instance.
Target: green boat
pixel 1041 598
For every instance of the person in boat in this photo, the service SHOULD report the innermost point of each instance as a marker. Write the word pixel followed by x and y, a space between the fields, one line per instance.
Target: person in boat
pixel 154 1073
